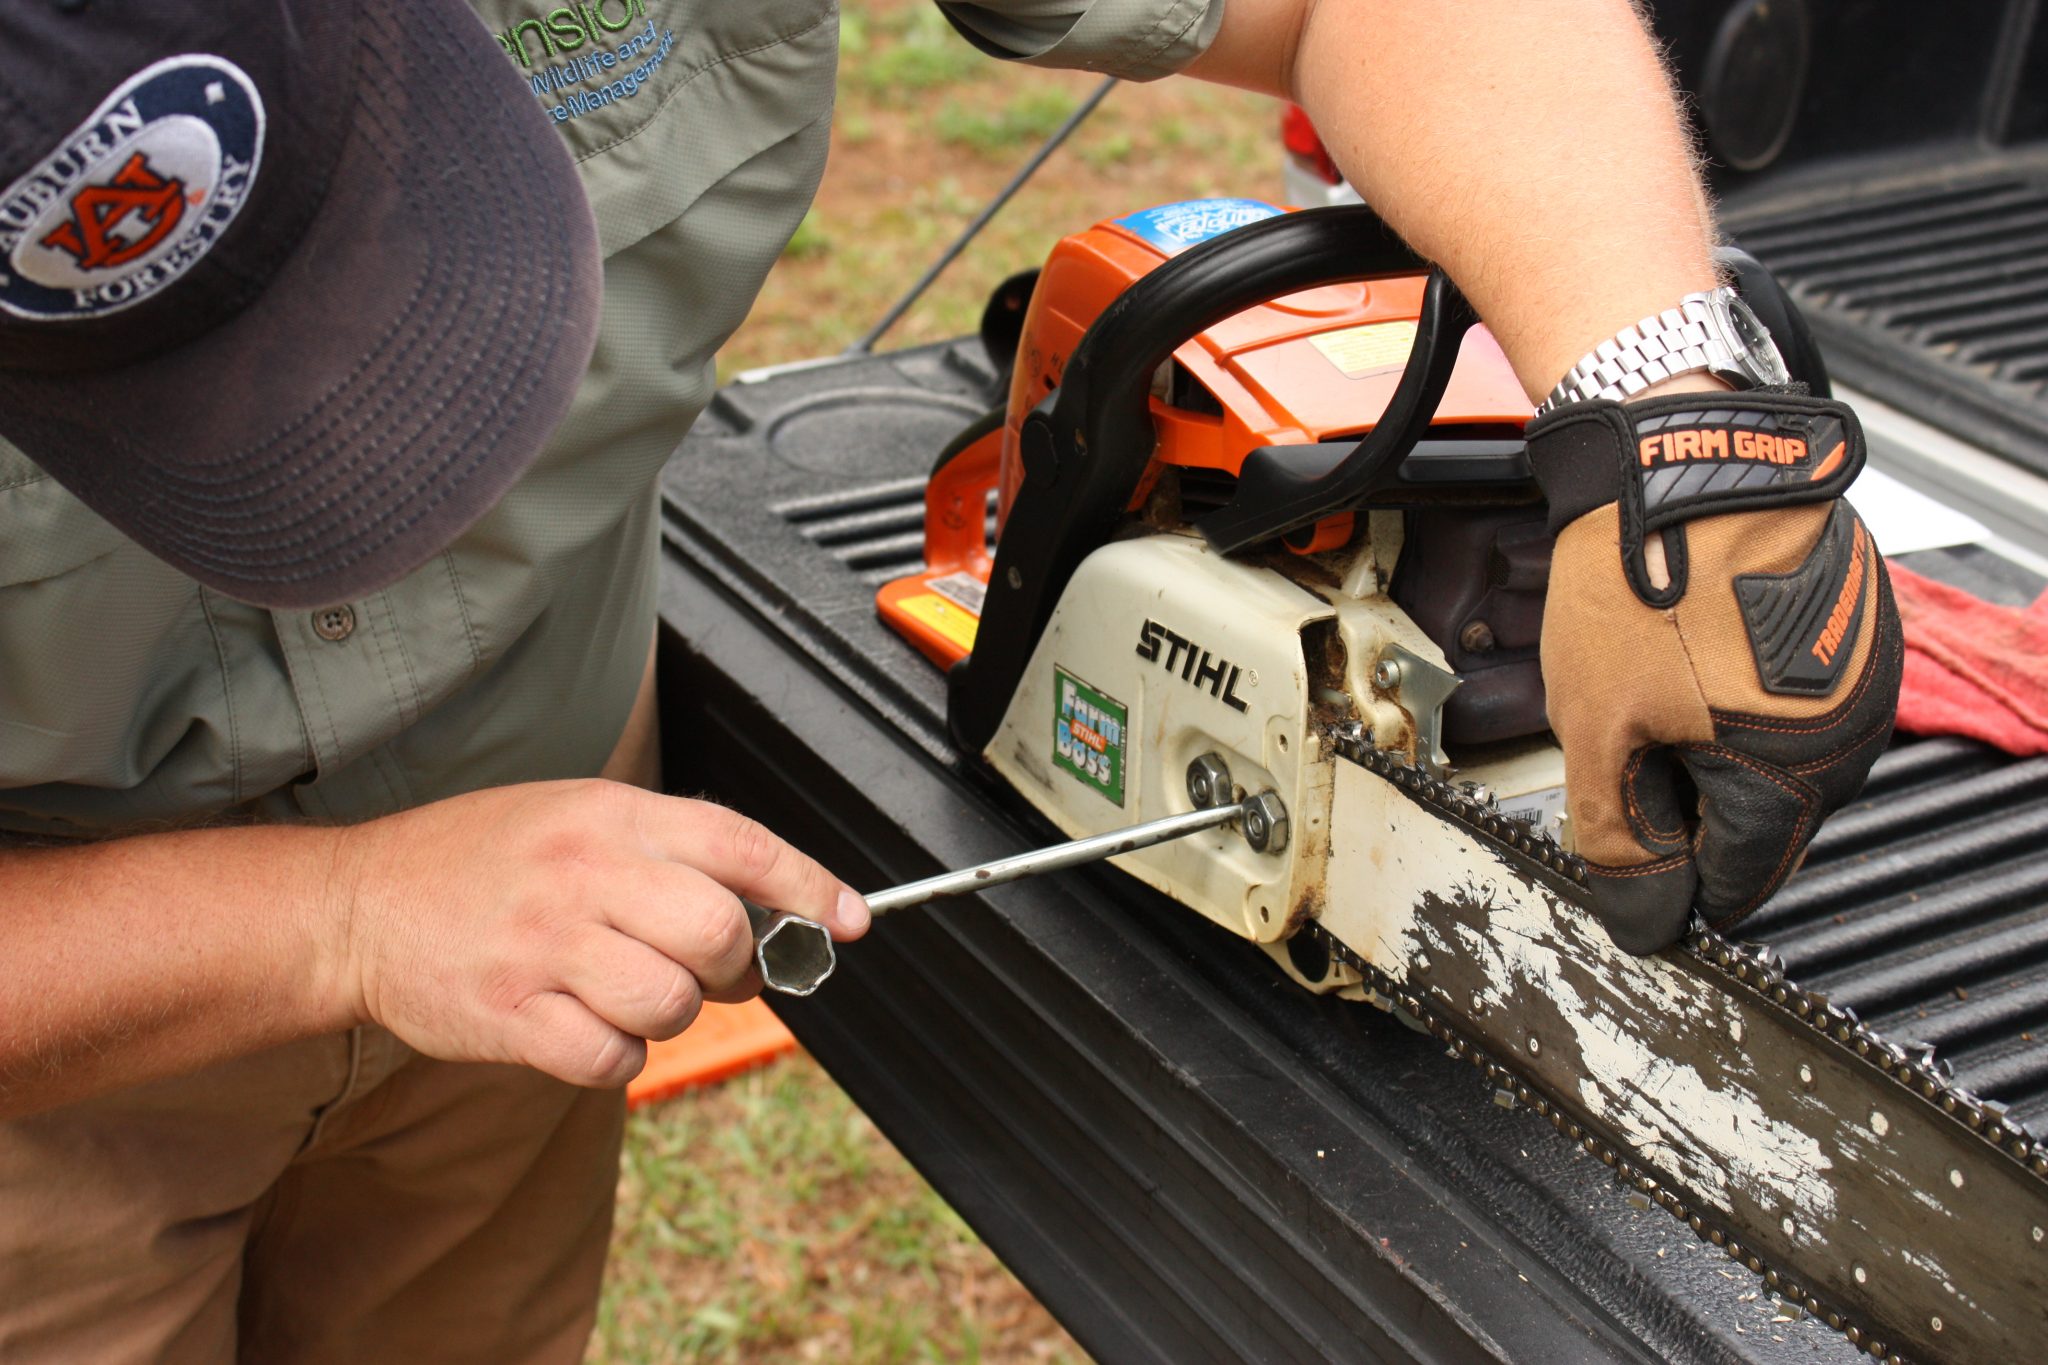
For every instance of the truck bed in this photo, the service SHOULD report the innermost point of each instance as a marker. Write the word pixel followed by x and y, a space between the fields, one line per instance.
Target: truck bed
pixel 1889 162
pixel 1183 1155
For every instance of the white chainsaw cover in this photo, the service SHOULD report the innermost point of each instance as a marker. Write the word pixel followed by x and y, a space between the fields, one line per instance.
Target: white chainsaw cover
pixel 1161 651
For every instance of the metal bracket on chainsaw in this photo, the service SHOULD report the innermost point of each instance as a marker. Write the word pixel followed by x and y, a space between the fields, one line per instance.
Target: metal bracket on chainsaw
pixel 1420 688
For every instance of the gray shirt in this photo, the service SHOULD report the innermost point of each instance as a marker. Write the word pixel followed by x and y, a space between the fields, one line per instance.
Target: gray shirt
pixel 131 696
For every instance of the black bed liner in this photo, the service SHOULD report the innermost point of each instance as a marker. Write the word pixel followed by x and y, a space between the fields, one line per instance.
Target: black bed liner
pixel 1906 203
pixel 1185 1156
pixel 1926 280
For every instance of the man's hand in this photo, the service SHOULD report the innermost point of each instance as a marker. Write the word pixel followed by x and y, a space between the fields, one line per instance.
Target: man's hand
pixel 1537 153
pixel 561 924
pixel 1711 714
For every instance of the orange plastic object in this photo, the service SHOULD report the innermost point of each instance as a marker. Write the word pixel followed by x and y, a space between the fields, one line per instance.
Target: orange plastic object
pixel 1327 534
pixel 939 608
pixel 725 1040
pixel 1312 366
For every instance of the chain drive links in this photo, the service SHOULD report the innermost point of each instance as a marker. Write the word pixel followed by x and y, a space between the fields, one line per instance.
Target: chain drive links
pixel 1738 968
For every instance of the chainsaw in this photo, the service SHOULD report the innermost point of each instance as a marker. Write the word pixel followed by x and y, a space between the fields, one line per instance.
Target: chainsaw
pixel 1266 537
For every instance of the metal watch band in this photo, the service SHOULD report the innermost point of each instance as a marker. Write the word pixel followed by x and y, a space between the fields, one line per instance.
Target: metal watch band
pixel 1680 340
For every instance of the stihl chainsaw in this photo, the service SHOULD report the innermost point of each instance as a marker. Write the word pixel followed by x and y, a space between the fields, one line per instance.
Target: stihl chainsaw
pixel 1267 534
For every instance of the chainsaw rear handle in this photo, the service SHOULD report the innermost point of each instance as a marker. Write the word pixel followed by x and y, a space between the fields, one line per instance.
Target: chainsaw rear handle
pixel 1086 446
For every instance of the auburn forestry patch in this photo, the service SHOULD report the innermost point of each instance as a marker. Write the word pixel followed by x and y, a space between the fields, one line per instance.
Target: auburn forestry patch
pixel 130 199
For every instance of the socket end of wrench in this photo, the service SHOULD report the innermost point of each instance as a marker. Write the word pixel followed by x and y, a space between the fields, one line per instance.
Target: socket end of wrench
pixel 795 954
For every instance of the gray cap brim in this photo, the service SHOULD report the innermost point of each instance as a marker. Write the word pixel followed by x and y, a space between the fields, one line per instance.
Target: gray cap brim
pixel 397 373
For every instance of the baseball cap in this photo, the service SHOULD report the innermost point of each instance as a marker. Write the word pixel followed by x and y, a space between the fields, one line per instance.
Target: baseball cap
pixel 290 292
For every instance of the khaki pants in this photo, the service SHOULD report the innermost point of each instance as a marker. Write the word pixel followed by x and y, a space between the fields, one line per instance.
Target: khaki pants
pixel 340 1199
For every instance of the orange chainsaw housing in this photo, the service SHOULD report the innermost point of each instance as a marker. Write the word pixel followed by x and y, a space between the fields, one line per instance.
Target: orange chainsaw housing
pixel 1313 366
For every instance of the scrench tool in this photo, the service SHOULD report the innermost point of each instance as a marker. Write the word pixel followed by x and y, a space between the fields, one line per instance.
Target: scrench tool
pixel 795 955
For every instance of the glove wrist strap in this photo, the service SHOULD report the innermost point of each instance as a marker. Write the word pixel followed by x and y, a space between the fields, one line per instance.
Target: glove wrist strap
pixel 1673 458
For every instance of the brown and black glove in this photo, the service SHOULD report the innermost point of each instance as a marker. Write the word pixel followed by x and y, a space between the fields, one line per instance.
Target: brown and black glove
pixel 1709 725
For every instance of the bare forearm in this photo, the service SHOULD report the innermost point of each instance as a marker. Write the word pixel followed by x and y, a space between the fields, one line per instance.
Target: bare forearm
pixel 558 925
pixel 1535 151
pixel 139 958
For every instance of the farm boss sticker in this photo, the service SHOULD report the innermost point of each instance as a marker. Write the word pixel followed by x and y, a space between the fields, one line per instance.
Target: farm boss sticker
pixel 1088 735
pixel 131 198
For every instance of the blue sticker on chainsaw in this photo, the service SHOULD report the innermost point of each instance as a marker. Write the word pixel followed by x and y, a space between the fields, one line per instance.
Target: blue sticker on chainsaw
pixel 1173 228
pixel 1088 734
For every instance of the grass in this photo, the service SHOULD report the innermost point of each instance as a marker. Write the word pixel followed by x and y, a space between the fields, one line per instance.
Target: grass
pixel 1027 118
pixel 927 129
pixel 766 1220
pixel 893 54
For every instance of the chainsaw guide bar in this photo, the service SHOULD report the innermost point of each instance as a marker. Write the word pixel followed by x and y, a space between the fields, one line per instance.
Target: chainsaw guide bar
pixel 1772 1122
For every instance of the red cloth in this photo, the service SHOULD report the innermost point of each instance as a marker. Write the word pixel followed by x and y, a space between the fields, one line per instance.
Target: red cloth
pixel 1972 667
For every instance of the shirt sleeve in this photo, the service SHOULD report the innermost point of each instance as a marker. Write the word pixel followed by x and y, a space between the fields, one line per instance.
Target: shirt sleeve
pixel 1139 40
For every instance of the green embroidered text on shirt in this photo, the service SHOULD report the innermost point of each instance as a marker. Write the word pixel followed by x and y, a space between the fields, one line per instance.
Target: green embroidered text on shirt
pixel 567 29
pixel 585 81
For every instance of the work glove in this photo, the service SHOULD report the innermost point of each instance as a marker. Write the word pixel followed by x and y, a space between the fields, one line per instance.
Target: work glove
pixel 1708 726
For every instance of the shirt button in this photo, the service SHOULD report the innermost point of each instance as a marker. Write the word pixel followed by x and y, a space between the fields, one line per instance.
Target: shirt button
pixel 335 623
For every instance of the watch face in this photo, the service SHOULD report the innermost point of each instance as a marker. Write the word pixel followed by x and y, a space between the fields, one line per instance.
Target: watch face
pixel 1754 344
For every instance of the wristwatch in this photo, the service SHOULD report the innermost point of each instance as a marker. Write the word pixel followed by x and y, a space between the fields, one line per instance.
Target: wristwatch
pixel 1713 331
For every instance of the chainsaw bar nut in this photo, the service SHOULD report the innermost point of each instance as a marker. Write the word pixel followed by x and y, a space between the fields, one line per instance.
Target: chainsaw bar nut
pixel 1265 823
pixel 1209 782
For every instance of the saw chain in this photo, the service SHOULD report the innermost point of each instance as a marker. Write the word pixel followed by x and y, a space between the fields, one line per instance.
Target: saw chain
pixel 1753 976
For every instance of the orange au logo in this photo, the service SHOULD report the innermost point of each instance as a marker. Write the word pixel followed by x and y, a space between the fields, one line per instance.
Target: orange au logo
pixel 129 200
pixel 122 220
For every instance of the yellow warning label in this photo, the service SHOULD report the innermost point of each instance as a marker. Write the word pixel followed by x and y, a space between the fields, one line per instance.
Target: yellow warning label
pixel 954 622
pixel 1368 349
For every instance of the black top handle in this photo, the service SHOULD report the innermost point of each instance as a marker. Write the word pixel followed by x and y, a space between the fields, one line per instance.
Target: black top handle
pixel 1283 487
pixel 1086 446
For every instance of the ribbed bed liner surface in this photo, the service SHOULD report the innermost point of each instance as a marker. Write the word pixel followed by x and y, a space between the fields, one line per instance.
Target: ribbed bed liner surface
pixel 1924 908
pixel 1928 285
